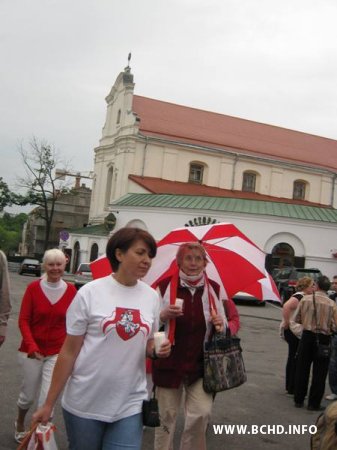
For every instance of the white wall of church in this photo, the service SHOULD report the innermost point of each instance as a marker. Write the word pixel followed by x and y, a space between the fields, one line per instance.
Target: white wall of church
pixel 173 163
pixel 312 240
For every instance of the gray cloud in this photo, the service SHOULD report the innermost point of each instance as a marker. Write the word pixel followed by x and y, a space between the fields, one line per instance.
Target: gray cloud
pixel 266 60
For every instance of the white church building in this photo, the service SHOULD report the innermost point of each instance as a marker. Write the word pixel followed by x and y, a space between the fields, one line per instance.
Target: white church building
pixel 161 166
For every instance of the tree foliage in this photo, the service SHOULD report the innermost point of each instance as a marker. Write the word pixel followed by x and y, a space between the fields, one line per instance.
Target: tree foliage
pixel 11 231
pixel 43 187
pixel 5 194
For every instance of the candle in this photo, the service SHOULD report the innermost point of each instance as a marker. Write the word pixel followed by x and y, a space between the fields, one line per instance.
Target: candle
pixel 159 338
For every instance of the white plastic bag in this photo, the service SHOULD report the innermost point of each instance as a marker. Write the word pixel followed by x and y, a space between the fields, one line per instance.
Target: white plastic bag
pixel 43 438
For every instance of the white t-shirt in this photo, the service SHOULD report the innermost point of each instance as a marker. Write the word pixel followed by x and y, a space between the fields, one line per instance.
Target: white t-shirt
pixel 108 381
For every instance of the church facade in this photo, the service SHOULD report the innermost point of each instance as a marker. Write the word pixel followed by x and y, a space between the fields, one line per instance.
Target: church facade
pixel 155 155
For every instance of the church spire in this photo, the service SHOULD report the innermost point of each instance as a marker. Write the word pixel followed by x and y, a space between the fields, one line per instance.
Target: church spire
pixel 128 68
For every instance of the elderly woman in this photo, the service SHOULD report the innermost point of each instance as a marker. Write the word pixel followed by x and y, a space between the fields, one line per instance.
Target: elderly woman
pixel 188 327
pixel 304 286
pixel 42 322
pixel 110 328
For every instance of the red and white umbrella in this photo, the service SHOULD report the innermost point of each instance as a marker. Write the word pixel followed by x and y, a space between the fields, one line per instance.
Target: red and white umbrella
pixel 264 289
pixel 234 261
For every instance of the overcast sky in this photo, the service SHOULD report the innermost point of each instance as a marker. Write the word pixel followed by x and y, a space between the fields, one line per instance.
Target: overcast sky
pixel 270 61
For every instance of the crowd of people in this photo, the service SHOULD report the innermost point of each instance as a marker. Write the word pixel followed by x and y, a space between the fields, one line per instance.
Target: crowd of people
pixel 309 327
pixel 73 341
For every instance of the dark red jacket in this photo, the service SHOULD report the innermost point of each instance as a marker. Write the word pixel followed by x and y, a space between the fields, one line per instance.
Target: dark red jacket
pixel 185 364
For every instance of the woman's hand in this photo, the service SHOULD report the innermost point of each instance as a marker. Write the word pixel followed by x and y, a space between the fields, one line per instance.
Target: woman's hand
pixel 164 350
pixel 170 312
pixel 218 323
pixel 36 355
pixel 43 414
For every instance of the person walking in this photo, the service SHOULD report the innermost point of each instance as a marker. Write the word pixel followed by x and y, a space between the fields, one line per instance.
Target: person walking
pixel 42 322
pixel 101 366
pixel 5 303
pixel 188 326
pixel 333 358
pixel 318 316
pixel 304 286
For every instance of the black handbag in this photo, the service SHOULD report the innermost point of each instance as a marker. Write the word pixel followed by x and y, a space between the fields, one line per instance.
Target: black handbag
pixel 150 411
pixel 323 351
pixel 223 363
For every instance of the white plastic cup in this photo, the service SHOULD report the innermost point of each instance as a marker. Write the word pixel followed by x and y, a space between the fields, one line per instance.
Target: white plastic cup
pixel 159 338
pixel 180 303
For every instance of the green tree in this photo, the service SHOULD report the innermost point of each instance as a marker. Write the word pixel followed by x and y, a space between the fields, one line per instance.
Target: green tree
pixel 11 231
pixel 43 187
pixel 5 194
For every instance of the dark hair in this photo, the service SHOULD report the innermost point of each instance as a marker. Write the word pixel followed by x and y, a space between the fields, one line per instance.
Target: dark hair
pixel 123 239
pixel 323 283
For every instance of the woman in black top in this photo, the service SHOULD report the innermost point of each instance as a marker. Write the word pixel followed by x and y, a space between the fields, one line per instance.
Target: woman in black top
pixel 292 331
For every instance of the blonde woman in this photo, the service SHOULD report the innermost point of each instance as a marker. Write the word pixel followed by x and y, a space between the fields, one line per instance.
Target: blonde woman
pixel 43 328
pixel 304 286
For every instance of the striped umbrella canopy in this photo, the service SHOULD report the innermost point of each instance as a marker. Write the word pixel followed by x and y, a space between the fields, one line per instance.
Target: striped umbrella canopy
pixel 234 261
pixel 264 289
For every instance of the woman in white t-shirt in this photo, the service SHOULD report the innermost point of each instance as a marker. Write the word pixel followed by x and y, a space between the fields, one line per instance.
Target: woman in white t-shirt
pixel 110 327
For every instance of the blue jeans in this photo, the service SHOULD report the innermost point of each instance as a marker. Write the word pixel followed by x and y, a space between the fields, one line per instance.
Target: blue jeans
pixel 333 365
pixel 89 434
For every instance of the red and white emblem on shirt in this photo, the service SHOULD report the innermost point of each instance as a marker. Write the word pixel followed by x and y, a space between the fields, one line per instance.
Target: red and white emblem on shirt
pixel 128 323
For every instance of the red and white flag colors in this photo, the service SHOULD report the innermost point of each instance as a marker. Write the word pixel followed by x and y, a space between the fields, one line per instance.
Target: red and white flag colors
pixel 100 267
pixel 264 289
pixel 234 261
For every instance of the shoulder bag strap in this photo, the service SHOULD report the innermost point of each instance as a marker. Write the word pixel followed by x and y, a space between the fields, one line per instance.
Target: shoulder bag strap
pixel 315 314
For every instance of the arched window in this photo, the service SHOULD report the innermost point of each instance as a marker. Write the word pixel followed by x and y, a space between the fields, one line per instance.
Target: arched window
pixel 76 256
pixel 93 252
pixel 299 190
pixel 109 184
pixel 118 116
pixel 283 255
pixel 196 173
pixel 249 182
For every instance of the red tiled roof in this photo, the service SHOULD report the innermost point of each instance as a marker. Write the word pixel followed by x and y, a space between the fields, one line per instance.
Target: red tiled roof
pixel 160 186
pixel 199 127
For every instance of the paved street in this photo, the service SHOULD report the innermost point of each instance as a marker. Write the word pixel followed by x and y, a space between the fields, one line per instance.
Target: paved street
pixel 260 401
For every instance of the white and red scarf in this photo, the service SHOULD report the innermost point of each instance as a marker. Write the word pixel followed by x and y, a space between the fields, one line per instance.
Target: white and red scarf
pixel 210 300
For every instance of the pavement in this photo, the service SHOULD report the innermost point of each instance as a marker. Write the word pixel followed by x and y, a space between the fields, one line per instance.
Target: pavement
pixel 260 404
